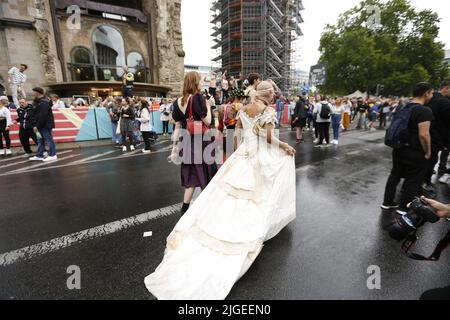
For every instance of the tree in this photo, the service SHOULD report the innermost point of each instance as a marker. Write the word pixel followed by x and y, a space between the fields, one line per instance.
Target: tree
pixel 399 52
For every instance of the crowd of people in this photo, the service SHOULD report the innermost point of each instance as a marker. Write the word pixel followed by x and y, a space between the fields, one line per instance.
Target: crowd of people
pixel 420 137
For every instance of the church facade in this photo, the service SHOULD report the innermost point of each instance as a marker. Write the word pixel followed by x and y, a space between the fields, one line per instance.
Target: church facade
pixel 79 47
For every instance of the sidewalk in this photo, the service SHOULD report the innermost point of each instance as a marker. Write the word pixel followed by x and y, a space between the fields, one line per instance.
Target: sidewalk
pixel 79 145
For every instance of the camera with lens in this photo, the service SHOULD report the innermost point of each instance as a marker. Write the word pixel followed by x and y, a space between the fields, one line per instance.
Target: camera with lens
pixel 419 214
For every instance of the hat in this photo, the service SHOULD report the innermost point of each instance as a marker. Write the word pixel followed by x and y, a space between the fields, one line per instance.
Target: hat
pixel 4 98
pixel 38 90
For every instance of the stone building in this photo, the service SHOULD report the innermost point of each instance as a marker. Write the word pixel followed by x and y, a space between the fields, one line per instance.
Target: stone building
pixel 78 47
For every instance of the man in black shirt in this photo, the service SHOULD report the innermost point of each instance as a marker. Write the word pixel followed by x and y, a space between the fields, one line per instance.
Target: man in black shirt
pixel 25 118
pixel 440 129
pixel 411 161
pixel 44 123
pixel 299 118
pixel 362 109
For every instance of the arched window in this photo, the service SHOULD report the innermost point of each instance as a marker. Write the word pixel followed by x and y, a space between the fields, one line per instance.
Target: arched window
pixel 81 55
pixel 106 59
pixel 109 53
pixel 136 63
pixel 82 68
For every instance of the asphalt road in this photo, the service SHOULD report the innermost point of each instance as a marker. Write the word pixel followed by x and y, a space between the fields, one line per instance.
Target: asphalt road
pixel 92 208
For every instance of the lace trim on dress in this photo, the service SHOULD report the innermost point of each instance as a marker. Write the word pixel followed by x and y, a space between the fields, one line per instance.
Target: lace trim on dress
pixel 216 245
pixel 269 116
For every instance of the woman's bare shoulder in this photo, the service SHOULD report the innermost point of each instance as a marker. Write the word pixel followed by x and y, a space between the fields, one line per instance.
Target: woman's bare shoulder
pixel 253 109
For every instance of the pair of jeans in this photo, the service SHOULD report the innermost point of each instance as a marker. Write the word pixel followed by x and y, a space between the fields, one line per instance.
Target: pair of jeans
pixel 25 135
pixel 165 127
pixel 324 132
pixel 4 134
pixel 361 121
pixel 383 120
pixel 129 142
pixel 46 137
pixel 316 129
pixel 15 93
pixel 116 138
pixel 309 120
pixel 336 120
pixel 146 135
pixel 411 165
pixel 280 117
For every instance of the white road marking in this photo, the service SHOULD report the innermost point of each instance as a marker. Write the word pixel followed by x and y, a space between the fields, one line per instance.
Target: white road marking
pixel 131 153
pixel 141 154
pixel 46 247
pixel 8 159
pixel 41 164
pixel 91 158
pixel 161 142
pixel 27 161
pixel 148 234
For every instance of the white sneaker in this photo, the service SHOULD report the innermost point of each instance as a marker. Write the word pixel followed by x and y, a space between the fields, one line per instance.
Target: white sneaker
pixel 8 152
pixel 445 178
pixel 316 141
pixel 45 154
pixel 36 158
pixel 132 148
pixel 51 159
pixel 2 152
pixel 336 143
pixel 124 149
pixel 146 151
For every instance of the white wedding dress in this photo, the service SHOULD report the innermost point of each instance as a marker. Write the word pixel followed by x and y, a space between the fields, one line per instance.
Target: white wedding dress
pixel 249 201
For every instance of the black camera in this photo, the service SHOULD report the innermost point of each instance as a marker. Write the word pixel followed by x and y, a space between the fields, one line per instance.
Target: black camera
pixel 419 214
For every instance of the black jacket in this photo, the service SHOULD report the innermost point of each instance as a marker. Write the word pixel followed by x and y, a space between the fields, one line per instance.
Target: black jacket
pixel 43 114
pixel 300 110
pixel 440 127
pixel 26 117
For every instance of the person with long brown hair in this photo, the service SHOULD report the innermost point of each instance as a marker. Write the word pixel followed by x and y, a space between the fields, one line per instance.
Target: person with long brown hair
pixel 249 201
pixel 192 175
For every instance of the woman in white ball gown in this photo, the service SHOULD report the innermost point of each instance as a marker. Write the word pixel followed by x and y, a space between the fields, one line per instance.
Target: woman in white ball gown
pixel 248 202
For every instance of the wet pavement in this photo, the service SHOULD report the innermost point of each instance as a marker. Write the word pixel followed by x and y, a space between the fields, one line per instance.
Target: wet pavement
pixel 114 199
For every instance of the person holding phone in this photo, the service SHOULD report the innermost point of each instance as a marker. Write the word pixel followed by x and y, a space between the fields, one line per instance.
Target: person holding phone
pixel 165 116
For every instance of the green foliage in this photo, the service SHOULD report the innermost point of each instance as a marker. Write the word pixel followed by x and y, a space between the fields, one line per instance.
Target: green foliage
pixel 398 53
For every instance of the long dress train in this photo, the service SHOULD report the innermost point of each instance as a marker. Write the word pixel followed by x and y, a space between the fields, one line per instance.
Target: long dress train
pixel 249 201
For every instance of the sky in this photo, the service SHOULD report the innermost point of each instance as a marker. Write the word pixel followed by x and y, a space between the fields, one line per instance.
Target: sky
pixel 195 20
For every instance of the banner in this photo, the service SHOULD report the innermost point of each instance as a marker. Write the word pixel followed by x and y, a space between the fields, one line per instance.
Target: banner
pixel 83 124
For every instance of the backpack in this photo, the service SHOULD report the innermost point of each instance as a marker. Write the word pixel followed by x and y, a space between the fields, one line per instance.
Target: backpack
pixel 325 111
pixel 397 135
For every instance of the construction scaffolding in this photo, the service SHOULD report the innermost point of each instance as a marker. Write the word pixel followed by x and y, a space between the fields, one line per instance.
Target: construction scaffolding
pixel 256 36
